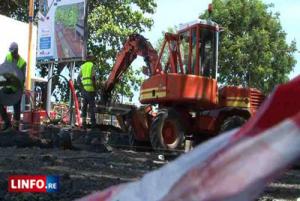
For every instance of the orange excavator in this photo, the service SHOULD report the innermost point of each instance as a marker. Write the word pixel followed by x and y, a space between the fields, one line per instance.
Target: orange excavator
pixel 185 89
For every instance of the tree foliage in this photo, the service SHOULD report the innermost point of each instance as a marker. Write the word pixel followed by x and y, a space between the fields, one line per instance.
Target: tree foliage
pixel 109 24
pixel 67 15
pixel 17 9
pixel 253 49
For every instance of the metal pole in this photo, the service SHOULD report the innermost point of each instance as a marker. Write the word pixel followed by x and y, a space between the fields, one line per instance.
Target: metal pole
pixel 72 68
pixel 49 88
pixel 30 19
pixel 217 56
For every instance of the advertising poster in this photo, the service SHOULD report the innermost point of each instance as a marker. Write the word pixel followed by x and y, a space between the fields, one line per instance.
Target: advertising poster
pixel 61 30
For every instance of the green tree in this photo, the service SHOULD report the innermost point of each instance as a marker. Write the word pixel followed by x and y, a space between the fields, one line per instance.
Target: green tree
pixel 67 15
pixel 253 49
pixel 109 23
pixel 17 9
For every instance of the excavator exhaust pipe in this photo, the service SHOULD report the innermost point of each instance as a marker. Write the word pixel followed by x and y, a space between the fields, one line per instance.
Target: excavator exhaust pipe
pixel 10 75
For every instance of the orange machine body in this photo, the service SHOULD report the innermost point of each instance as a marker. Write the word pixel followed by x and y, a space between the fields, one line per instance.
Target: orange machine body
pixel 184 87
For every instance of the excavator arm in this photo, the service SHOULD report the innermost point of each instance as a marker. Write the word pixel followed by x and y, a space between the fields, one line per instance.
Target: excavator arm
pixel 135 45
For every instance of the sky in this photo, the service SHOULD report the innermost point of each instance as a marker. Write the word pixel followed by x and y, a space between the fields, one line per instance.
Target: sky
pixel 174 12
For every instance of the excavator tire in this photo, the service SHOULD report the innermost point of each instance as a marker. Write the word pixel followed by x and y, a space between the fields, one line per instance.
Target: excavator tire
pixel 232 122
pixel 166 132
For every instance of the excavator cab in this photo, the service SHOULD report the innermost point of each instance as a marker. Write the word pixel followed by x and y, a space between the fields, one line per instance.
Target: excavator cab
pixel 199 48
pixel 190 75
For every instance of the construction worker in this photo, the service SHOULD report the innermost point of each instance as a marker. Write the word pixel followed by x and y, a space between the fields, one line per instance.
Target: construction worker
pixel 87 80
pixel 13 57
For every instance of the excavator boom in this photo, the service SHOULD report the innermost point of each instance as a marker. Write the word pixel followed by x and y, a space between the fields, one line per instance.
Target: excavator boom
pixel 135 45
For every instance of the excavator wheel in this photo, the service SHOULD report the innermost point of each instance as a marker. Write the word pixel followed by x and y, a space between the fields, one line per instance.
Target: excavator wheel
pixel 232 122
pixel 166 131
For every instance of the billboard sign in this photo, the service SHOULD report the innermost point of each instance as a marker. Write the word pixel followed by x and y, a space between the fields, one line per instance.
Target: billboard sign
pixel 61 30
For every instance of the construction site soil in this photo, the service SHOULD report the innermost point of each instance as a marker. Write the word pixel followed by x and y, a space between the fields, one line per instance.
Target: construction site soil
pixel 90 166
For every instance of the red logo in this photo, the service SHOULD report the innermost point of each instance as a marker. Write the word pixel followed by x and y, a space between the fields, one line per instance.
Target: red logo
pixel 26 183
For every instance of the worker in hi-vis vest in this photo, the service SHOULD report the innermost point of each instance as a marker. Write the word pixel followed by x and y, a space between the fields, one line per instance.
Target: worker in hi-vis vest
pixel 87 80
pixel 13 57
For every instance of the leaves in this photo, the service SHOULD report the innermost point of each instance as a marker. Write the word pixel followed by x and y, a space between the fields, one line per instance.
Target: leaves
pixel 67 15
pixel 253 47
pixel 109 24
pixel 17 9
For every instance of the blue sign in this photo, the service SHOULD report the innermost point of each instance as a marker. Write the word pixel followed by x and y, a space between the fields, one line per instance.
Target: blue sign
pixel 45 43
pixel 52 184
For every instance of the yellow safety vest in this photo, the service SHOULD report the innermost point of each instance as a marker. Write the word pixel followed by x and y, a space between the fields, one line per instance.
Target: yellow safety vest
pixel 20 64
pixel 86 73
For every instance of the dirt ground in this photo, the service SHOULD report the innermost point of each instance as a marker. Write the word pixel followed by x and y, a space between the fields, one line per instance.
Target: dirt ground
pixel 81 172
pixel 87 168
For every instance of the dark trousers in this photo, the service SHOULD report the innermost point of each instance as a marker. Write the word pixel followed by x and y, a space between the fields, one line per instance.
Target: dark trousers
pixel 17 112
pixel 89 101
